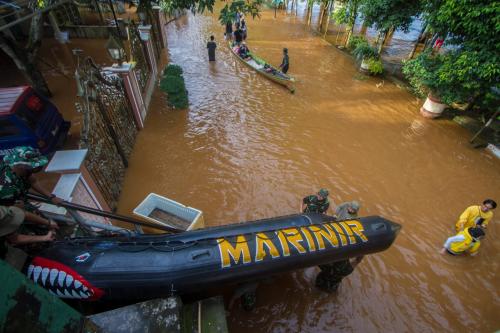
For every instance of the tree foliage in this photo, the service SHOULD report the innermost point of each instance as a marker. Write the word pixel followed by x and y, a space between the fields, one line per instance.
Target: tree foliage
pixel 465 22
pixel 345 12
pixel 386 14
pixel 471 68
pixel 228 13
pixel 422 73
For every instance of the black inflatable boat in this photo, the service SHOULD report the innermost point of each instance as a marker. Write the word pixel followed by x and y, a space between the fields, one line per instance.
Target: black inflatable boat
pixel 151 266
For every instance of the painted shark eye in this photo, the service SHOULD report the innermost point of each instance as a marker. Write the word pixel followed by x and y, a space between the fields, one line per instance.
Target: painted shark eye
pixel 61 280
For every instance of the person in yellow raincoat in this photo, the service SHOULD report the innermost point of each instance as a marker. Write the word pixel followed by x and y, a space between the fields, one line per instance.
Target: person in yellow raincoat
pixel 477 215
pixel 466 241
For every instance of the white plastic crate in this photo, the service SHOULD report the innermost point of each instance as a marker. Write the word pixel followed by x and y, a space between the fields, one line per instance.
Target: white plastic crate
pixel 192 216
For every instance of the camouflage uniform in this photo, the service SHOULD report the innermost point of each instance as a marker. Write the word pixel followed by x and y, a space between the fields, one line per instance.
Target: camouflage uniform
pixel 12 187
pixel 332 274
pixel 314 205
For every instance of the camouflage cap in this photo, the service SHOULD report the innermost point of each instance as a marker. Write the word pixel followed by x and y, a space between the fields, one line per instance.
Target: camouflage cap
pixel 323 192
pixel 24 155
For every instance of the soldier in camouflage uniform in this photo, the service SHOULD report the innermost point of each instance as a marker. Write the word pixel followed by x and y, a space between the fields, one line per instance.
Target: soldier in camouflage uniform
pixel 332 274
pixel 316 203
pixel 16 179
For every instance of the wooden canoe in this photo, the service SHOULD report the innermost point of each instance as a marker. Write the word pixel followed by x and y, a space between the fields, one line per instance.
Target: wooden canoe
pixel 258 64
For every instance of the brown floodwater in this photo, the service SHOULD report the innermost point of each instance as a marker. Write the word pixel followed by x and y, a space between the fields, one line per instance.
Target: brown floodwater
pixel 248 149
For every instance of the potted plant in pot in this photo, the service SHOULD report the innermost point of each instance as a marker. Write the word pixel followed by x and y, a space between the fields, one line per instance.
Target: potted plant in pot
pixel 423 75
pixel 355 41
pixel 368 57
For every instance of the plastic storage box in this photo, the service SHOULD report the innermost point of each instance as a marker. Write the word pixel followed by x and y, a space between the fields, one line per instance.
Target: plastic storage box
pixel 170 213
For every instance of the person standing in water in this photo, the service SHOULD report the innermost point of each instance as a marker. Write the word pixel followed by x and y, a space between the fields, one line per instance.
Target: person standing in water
pixel 332 274
pixel 316 203
pixel 347 210
pixel 285 62
pixel 211 46
pixel 476 215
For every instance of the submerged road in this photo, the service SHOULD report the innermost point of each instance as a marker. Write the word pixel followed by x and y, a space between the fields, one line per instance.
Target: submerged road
pixel 248 149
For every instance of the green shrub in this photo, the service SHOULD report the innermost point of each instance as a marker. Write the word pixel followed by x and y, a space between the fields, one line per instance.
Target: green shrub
pixel 375 66
pixel 174 70
pixel 354 41
pixel 174 86
pixel 422 73
pixel 365 51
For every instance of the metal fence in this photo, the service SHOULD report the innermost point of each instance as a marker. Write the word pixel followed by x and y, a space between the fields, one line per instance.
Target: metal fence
pixel 108 129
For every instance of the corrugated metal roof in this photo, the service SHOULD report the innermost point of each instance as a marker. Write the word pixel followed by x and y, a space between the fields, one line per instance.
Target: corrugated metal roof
pixel 9 96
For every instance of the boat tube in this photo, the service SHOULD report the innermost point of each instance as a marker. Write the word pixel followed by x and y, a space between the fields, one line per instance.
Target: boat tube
pixel 152 266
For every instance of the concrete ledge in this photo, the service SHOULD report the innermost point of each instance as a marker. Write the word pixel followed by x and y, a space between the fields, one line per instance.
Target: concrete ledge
pixel 155 316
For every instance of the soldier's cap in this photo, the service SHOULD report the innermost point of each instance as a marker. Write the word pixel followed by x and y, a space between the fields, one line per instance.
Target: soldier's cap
pixel 10 219
pixel 355 205
pixel 323 192
pixel 27 156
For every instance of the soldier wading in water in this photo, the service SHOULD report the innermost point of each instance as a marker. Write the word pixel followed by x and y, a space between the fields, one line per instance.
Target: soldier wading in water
pixel 316 203
pixel 332 274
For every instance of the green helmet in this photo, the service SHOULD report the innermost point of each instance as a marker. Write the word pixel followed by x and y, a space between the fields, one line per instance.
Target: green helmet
pixel 323 192
pixel 24 155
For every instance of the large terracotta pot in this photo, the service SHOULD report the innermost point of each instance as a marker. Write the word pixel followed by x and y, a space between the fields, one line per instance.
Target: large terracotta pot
pixel 432 107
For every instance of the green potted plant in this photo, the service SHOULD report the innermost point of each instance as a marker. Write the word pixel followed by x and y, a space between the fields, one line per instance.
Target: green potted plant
pixel 423 75
pixel 368 57
pixel 364 51
pixel 355 41
pixel 375 66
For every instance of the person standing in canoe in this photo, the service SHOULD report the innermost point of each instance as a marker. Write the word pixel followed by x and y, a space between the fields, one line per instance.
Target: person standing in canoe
pixel 211 46
pixel 229 31
pixel 243 29
pixel 285 62
pixel 238 36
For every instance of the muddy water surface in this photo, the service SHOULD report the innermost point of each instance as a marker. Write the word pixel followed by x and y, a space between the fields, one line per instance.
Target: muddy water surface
pixel 248 149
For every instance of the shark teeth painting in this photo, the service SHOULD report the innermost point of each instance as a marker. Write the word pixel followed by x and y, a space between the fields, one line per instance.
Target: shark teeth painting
pixel 61 280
